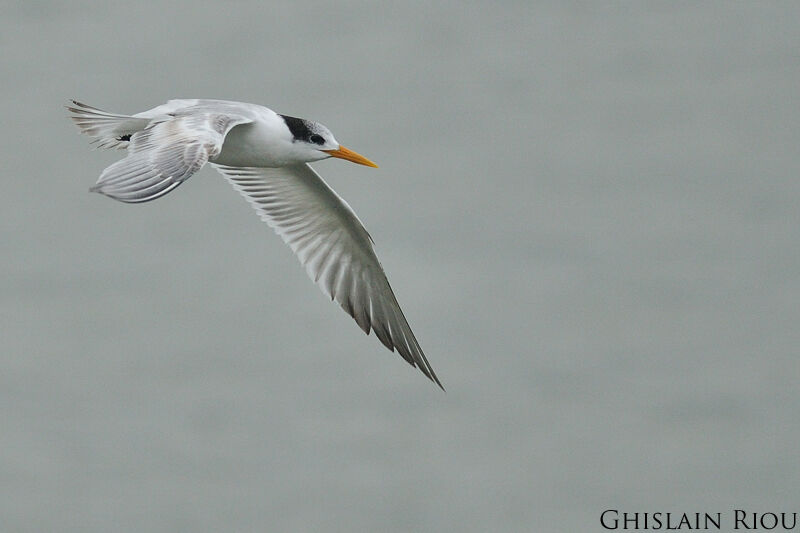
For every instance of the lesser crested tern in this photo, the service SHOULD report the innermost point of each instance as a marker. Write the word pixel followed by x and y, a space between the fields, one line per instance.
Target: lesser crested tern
pixel 265 156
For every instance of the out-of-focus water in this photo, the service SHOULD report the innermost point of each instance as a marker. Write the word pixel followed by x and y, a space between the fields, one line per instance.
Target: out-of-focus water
pixel 589 215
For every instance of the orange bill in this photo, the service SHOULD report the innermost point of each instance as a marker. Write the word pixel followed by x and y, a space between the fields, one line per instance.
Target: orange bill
pixel 349 155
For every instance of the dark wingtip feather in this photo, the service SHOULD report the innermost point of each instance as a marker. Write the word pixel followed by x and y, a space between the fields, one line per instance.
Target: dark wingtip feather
pixel 428 371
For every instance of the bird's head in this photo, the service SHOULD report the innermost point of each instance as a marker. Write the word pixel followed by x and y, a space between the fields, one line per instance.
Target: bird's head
pixel 311 141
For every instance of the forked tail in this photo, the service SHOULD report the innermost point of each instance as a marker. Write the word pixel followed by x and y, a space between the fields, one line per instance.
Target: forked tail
pixel 106 129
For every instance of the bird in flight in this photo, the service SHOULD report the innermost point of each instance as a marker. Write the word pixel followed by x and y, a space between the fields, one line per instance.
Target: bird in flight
pixel 265 156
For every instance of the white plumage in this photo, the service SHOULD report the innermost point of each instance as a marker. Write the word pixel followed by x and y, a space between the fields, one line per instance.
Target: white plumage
pixel 265 156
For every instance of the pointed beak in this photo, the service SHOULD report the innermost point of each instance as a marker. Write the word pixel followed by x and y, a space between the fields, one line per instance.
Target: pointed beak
pixel 349 155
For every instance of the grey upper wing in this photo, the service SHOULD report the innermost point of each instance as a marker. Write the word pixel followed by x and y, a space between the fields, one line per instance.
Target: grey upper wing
pixel 165 154
pixel 332 244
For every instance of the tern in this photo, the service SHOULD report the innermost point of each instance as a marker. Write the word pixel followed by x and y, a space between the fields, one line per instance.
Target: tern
pixel 265 156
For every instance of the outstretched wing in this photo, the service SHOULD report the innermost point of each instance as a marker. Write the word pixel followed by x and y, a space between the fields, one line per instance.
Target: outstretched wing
pixel 165 154
pixel 332 244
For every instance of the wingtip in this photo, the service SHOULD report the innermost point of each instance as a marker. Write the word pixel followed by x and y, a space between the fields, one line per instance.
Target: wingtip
pixel 435 379
pixel 427 370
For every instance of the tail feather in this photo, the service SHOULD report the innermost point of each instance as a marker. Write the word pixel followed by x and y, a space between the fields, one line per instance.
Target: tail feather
pixel 108 130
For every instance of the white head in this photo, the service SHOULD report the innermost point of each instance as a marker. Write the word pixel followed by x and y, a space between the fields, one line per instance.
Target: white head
pixel 311 141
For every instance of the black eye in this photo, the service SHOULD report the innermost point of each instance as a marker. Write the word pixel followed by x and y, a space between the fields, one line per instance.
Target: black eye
pixel 317 139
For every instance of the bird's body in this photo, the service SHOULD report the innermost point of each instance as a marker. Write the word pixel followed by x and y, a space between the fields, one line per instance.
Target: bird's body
pixel 265 156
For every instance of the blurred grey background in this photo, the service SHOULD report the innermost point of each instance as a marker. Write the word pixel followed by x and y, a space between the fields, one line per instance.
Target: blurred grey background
pixel 589 213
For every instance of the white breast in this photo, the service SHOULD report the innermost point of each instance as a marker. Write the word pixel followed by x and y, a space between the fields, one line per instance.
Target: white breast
pixel 266 142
